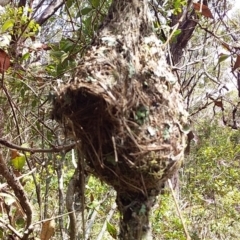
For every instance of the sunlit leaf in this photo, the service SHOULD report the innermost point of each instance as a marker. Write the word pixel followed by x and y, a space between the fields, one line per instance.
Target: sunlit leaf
pixel 26 56
pixel 112 230
pixel 175 34
pixel 18 160
pixel 8 24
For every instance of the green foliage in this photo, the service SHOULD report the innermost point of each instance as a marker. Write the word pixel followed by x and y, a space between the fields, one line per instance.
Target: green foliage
pixel 18 21
pixel 64 56
pixel 92 15
pixel 211 183
pixel 209 190
pixel 178 5
pixel 112 230
pixel 165 218
pixel 164 28
pixel 99 199
pixel 174 6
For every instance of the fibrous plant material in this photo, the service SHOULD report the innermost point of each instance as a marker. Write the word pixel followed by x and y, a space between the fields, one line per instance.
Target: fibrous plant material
pixel 125 107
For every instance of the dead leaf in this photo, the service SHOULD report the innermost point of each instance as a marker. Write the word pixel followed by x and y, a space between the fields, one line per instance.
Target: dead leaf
pixel 14 153
pixel 48 229
pixel 203 9
pixel 237 63
pixel 218 103
pixel 4 61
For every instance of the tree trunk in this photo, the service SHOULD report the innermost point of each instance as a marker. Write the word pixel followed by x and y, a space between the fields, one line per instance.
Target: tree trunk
pixel 135 211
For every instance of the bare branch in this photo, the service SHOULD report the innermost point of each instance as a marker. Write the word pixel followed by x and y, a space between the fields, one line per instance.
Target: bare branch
pixel 50 10
pixel 65 148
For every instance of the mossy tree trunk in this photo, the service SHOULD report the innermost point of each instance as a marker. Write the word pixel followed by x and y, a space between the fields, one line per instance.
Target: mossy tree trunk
pixel 125 107
pixel 135 211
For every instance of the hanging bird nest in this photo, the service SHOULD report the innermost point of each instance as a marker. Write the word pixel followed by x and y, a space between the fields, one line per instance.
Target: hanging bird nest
pixel 124 106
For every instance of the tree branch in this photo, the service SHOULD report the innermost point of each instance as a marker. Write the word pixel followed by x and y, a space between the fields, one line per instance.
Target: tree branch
pixel 49 11
pixel 65 148
pixel 19 192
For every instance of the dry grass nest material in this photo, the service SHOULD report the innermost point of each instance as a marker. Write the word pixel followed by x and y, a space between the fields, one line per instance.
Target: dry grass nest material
pixel 131 137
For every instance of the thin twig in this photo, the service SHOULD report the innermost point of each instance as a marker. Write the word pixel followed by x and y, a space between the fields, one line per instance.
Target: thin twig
pixel 18 178
pixel 49 219
pixel 108 218
pixel 11 228
pixel 115 149
pixel 94 214
pixel 178 210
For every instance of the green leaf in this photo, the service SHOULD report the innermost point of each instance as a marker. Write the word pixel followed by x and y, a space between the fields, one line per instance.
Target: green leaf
pixel 88 24
pixel 18 162
pixel 1 233
pixel 223 57
pixel 63 57
pixel 66 45
pixel 57 54
pixel 86 10
pixel 26 56
pixel 175 34
pixel 69 3
pixel 95 3
pixel 112 230
pixel 8 24
pixel 20 222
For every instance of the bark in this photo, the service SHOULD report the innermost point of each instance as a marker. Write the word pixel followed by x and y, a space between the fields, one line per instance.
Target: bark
pixel 187 26
pixel 135 211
